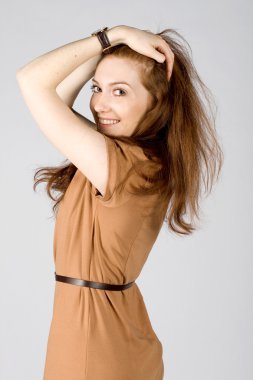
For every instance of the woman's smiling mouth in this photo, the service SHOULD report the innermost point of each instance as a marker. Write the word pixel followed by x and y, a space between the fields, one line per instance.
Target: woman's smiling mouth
pixel 107 122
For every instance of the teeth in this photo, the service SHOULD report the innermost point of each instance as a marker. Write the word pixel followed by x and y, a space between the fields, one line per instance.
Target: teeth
pixel 104 121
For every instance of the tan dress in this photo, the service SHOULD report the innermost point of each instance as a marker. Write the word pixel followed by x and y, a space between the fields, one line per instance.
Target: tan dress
pixel 102 334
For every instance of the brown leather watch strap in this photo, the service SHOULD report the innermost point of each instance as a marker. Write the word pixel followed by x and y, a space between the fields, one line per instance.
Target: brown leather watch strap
pixel 103 39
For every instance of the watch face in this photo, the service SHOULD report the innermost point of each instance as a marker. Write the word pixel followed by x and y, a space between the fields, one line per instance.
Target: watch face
pixel 99 30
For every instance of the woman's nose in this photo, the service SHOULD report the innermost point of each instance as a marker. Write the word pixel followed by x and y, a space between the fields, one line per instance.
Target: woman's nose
pixel 101 104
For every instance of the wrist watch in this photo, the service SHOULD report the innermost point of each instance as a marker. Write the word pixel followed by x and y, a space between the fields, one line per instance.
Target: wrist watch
pixel 103 39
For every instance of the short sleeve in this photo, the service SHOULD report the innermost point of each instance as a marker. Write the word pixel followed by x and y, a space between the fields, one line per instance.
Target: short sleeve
pixel 119 163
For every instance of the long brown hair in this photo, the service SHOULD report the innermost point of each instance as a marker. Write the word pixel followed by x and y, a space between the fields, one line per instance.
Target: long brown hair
pixel 178 132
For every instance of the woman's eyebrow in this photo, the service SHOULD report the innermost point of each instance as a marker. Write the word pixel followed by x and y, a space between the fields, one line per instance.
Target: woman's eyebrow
pixel 122 82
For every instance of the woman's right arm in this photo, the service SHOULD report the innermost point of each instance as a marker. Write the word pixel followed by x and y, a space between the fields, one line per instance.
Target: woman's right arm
pixel 70 87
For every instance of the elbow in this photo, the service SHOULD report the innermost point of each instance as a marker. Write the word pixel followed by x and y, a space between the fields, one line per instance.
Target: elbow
pixel 19 74
pixel 22 73
pixel 23 78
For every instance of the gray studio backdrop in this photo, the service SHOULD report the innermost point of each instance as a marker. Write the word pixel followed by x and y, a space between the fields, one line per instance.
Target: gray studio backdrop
pixel 198 289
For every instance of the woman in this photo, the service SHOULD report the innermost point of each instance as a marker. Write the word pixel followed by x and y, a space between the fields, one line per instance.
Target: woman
pixel 142 157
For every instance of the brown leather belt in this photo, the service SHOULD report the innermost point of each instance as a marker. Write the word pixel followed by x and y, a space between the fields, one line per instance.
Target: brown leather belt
pixel 91 284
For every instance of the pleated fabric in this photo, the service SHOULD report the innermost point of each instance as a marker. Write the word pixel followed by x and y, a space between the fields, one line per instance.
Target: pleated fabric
pixel 102 334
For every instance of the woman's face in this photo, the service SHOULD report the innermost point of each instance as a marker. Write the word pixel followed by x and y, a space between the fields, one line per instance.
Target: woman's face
pixel 122 102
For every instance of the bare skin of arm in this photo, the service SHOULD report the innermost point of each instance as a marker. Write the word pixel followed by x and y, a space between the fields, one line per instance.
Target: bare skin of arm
pixel 69 133
pixel 71 86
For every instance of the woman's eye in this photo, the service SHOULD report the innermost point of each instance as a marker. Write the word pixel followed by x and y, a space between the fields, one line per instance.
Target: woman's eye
pixel 93 87
pixel 119 89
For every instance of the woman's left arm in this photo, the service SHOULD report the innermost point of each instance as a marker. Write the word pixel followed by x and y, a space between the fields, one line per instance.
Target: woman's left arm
pixel 49 69
pixel 38 80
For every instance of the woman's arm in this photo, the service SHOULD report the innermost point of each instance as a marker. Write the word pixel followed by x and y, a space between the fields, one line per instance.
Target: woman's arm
pixel 83 146
pixel 49 70
pixel 70 87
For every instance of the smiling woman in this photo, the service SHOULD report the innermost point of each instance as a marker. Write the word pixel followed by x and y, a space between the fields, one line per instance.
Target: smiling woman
pixel 151 142
pixel 107 103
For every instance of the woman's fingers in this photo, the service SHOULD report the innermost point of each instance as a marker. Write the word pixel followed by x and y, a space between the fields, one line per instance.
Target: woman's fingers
pixel 151 45
pixel 164 48
pixel 165 53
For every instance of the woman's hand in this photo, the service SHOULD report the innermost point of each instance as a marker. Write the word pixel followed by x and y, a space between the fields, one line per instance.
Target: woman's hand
pixel 149 44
